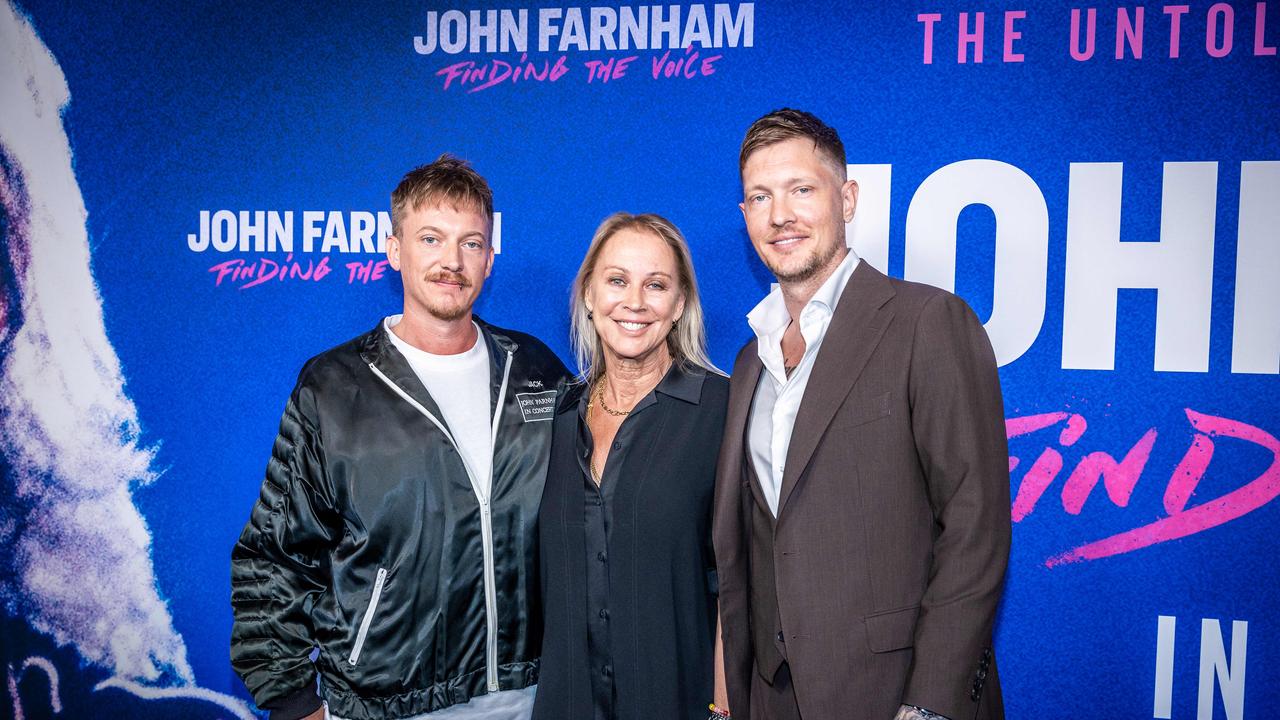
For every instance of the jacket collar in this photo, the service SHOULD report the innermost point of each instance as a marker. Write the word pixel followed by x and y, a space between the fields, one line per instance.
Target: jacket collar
pixel 683 381
pixel 377 349
pixel 376 345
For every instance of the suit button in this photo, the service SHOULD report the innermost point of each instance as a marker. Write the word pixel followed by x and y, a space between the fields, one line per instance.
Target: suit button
pixel 604 614
pixel 602 557
pixel 617 444
pixel 986 654
pixel 606 670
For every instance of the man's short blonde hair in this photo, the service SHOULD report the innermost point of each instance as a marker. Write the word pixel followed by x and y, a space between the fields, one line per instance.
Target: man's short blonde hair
pixel 449 179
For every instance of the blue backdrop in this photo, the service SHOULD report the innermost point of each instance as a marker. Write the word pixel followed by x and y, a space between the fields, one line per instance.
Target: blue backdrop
pixel 181 109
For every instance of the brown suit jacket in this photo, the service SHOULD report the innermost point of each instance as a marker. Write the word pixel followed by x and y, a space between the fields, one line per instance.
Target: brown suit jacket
pixel 893 526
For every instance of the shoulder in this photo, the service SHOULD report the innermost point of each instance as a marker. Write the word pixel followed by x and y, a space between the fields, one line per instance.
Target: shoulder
pixel 338 364
pixel 531 354
pixel 715 385
pixel 930 305
pixel 715 395
pixel 569 396
pixel 703 390
pixel 747 350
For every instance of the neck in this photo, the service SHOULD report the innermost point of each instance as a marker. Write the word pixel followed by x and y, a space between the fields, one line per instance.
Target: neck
pixel 796 294
pixel 438 337
pixel 629 379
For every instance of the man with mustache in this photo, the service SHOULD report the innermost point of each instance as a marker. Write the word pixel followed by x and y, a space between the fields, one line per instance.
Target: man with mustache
pixel 397 527
pixel 862 496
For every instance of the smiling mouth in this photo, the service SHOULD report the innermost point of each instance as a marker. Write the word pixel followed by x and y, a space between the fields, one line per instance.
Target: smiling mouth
pixel 787 241
pixel 632 326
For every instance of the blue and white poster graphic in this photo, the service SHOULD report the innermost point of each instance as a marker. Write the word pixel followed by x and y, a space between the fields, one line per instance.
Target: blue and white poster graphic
pixel 195 201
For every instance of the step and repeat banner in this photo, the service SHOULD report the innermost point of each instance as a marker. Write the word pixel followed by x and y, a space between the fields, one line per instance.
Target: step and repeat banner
pixel 195 201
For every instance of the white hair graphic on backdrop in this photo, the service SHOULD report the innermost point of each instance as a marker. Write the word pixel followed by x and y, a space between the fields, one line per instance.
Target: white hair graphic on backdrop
pixel 77 561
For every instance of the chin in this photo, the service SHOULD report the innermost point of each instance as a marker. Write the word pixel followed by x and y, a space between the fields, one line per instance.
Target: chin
pixel 798 269
pixel 632 350
pixel 448 311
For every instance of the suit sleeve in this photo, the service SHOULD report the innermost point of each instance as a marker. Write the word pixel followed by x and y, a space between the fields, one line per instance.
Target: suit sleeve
pixel 729 535
pixel 280 566
pixel 957 419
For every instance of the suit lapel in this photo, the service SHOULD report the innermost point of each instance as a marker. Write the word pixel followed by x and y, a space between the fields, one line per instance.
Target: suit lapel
pixel 855 330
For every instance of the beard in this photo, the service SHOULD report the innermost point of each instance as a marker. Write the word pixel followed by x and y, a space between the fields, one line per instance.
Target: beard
pixel 447 307
pixel 447 310
pixel 808 267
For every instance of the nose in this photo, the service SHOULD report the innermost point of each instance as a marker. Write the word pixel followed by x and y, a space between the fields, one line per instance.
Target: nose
pixel 451 257
pixel 780 211
pixel 634 299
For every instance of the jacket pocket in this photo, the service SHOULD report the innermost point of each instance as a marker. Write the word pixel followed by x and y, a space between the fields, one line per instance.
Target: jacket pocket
pixel 893 630
pixel 864 411
pixel 363 632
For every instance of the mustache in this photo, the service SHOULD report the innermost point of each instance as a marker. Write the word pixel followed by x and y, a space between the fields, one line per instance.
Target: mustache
pixel 449 277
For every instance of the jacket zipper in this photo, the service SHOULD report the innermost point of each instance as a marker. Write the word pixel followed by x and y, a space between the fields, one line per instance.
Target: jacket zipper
pixel 368 617
pixel 486 531
pixel 486 517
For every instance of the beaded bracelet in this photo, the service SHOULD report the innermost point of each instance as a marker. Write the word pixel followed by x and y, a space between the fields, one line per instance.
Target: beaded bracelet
pixel 717 713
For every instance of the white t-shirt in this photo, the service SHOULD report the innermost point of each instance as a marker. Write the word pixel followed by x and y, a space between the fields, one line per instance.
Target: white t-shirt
pixel 460 386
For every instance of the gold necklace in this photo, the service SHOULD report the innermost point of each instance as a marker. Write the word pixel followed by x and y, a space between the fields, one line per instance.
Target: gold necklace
pixel 605 407
pixel 596 475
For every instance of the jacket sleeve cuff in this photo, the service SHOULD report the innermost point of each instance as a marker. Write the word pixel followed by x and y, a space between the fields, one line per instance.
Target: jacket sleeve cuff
pixel 298 705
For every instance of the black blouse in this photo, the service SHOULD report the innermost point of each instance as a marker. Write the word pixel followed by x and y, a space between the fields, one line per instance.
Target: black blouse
pixel 627 568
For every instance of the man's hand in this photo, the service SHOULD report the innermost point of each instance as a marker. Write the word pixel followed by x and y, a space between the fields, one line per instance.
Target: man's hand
pixel 907 712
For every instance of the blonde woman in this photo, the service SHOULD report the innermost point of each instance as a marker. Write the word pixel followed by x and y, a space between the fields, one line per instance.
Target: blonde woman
pixel 627 567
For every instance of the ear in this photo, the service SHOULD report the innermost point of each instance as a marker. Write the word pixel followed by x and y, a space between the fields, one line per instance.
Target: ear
pixel 679 309
pixel 849 198
pixel 393 252
pixel 488 265
pixel 587 300
pixel 743 207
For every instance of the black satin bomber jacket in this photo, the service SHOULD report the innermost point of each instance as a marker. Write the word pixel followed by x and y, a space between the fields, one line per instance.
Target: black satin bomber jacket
pixel 369 542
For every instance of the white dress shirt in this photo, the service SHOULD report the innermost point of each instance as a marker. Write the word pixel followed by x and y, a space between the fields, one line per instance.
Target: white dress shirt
pixel 777 399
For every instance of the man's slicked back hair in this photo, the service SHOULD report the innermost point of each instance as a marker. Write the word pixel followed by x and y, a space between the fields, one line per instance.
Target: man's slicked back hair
pixel 787 123
pixel 449 179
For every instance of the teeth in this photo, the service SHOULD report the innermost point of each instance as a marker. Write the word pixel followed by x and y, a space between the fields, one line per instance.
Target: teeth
pixel 632 325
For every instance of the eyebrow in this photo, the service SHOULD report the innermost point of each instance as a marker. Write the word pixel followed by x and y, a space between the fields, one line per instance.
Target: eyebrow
pixel 788 183
pixel 438 231
pixel 655 273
